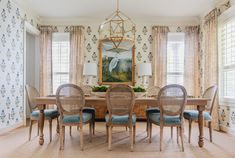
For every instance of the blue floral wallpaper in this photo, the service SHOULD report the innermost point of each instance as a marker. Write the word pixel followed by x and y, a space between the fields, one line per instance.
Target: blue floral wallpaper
pixel 11 63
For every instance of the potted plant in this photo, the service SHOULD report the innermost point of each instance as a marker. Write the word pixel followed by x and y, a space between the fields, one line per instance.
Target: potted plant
pixel 139 91
pixel 99 91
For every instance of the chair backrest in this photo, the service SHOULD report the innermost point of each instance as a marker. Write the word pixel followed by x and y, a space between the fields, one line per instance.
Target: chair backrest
pixel 211 94
pixel 172 99
pixel 31 93
pixel 70 100
pixel 152 91
pixel 120 100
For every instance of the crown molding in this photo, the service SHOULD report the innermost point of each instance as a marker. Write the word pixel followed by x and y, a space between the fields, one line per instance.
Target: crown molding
pixel 170 21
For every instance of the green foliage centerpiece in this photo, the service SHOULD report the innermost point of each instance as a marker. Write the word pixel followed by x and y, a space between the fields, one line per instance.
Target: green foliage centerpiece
pixel 100 91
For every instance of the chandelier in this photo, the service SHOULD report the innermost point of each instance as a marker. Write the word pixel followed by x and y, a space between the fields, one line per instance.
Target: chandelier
pixel 118 32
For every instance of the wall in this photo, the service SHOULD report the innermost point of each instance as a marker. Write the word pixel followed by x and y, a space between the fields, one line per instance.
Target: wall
pixel 143 44
pixel 12 19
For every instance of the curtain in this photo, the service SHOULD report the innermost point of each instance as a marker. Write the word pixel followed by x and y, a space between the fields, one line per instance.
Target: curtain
pixel 159 55
pixel 46 80
pixel 210 61
pixel 77 46
pixel 191 59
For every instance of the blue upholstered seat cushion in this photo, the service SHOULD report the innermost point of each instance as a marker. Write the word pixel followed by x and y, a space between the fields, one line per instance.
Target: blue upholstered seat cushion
pixel 193 115
pixel 152 110
pixel 168 120
pixel 76 118
pixel 89 110
pixel 121 119
pixel 48 113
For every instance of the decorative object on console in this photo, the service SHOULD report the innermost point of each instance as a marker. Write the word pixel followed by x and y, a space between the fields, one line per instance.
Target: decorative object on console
pixel 90 70
pixel 116 28
pixel 144 70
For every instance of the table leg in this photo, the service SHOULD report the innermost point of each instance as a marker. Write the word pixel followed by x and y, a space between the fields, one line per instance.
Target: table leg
pixel 41 124
pixel 201 125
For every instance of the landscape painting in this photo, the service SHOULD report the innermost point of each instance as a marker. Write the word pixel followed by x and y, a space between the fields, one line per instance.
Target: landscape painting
pixel 116 64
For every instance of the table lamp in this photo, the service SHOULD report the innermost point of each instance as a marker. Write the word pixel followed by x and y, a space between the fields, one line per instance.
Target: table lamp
pixel 144 70
pixel 90 70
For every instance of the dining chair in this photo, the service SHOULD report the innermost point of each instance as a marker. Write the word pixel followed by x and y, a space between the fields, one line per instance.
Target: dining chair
pixel 120 103
pixel 70 100
pixel 88 109
pixel 192 115
pixel 171 100
pixel 50 114
pixel 151 92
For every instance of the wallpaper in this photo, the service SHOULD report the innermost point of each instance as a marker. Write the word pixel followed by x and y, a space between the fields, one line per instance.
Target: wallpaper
pixel 11 63
pixel 143 46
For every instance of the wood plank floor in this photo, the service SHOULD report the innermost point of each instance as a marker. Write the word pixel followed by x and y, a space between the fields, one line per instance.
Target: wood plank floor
pixel 15 144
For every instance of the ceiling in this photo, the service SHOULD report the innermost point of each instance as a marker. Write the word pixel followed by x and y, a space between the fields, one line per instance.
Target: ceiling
pixel 100 9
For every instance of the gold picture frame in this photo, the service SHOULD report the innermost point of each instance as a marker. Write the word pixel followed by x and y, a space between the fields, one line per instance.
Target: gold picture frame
pixel 117 66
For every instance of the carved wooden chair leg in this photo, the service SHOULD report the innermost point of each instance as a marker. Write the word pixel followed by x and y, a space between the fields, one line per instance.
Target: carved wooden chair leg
pixel 210 130
pixel 50 128
pixel 93 127
pixel 110 138
pixel 81 137
pixel 107 133
pixel 70 130
pixel 177 134
pixel 131 137
pixel 150 132
pixel 62 137
pixel 134 133
pixel 58 126
pixel 182 137
pixel 161 135
pixel 90 131
pixel 30 128
pixel 189 130
pixel 38 128
pixel 171 132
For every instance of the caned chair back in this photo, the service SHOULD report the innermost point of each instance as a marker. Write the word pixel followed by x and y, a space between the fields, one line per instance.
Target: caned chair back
pixel 211 94
pixel 31 93
pixel 152 91
pixel 120 100
pixel 172 99
pixel 70 99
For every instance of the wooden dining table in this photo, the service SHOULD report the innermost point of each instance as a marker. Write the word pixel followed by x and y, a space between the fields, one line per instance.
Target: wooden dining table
pixel 200 103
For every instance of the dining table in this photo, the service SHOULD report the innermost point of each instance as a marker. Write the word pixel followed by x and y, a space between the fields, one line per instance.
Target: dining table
pixel 199 103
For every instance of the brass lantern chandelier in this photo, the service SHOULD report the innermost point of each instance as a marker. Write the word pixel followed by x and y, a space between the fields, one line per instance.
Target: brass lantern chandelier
pixel 118 31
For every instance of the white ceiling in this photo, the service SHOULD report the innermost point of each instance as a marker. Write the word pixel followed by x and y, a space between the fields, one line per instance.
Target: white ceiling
pixel 100 9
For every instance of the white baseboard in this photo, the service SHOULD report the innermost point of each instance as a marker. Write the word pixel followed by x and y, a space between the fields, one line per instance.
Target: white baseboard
pixel 5 130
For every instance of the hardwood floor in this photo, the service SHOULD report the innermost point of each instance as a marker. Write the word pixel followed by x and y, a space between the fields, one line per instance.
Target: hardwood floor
pixel 15 144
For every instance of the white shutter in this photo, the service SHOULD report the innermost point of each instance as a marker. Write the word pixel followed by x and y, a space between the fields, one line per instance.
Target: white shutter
pixel 175 58
pixel 227 73
pixel 60 59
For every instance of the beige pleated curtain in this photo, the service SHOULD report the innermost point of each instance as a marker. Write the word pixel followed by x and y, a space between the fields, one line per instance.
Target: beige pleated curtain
pixel 159 64
pixel 46 80
pixel 210 58
pixel 191 60
pixel 77 53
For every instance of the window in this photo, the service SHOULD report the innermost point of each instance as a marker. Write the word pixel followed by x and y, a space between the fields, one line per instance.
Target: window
pixel 175 58
pixel 227 60
pixel 60 59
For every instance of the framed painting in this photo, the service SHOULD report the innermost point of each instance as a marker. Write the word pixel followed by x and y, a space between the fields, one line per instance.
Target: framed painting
pixel 117 65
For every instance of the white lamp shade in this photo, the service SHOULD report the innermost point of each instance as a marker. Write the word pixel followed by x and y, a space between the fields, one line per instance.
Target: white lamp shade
pixel 144 69
pixel 90 69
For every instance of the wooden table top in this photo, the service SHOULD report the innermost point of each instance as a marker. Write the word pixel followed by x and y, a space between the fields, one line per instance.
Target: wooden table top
pixel 99 100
